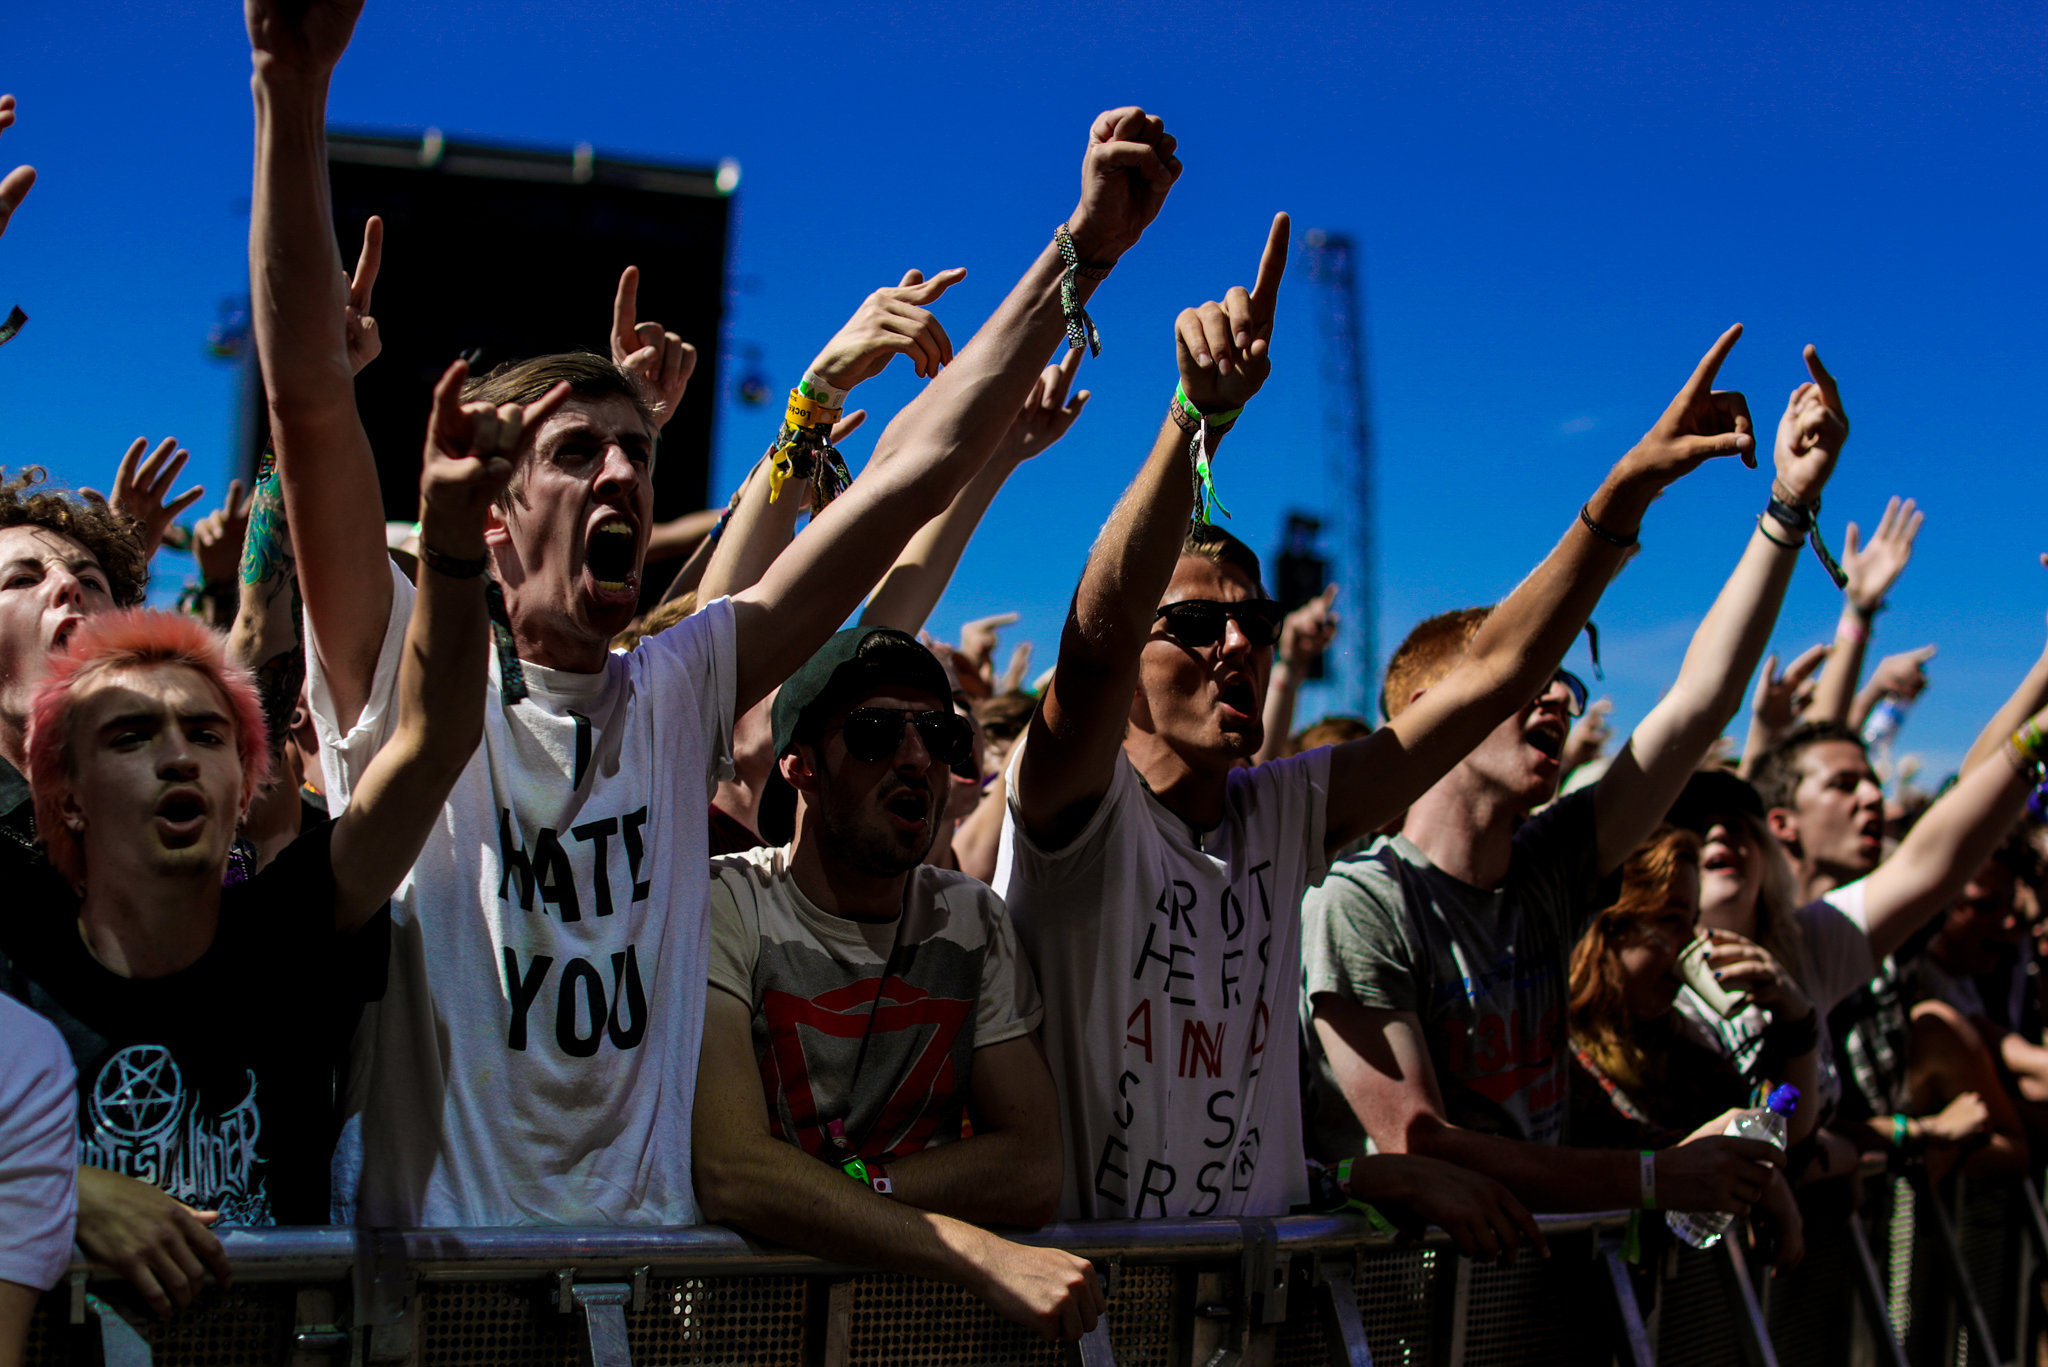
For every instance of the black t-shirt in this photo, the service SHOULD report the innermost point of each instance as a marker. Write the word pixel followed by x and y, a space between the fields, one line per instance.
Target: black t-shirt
pixel 24 869
pixel 216 1083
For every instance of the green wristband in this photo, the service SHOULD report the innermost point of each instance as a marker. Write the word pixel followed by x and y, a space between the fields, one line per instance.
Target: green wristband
pixel 1217 421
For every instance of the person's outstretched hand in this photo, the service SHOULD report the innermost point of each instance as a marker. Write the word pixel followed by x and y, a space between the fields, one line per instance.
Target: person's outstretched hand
pixel 1047 413
pixel 896 320
pixel 1810 434
pixel 140 490
pixel 1874 568
pixel 365 343
pixel 1589 736
pixel 1902 676
pixel 1125 176
pixel 217 540
pixel 1306 632
pixel 663 361
pixel 306 36
pixel 1700 424
pixel 1222 347
pixel 14 186
pixel 1775 705
pixel 470 452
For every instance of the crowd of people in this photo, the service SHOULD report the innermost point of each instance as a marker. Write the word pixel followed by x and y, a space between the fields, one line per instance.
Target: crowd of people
pixel 416 877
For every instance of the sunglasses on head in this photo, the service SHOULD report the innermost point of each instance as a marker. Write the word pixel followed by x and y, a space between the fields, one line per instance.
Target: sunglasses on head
pixel 874 734
pixel 1200 621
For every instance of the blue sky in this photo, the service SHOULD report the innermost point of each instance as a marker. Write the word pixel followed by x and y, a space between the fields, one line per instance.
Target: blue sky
pixel 1558 210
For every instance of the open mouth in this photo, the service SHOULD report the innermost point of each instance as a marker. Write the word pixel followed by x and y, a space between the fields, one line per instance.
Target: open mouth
pixel 1237 696
pixel 909 808
pixel 610 556
pixel 180 817
pixel 65 628
pixel 1547 741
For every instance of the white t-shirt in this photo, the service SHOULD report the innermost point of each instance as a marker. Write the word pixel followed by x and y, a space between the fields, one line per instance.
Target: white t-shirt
pixel 38 1149
pixel 1170 963
pixel 534 1056
pixel 1835 945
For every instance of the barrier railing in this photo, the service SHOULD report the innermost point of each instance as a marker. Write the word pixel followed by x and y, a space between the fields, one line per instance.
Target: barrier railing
pixel 1181 1293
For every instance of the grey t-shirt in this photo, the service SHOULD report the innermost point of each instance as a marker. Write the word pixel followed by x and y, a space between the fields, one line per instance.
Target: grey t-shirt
pixel 1487 972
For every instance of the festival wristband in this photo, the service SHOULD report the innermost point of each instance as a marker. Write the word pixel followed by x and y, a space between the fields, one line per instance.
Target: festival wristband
pixel 1081 329
pixel 1898 1132
pixel 1219 421
pixel 1649 1157
pixel 811 387
pixel 1803 520
pixel 870 1175
pixel 453 567
pixel 1380 1224
pixel 1851 629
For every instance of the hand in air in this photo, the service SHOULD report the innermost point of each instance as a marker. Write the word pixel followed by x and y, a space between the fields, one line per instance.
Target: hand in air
pixel 1125 177
pixel 140 489
pixel 1775 705
pixel 1306 632
pixel 1742 965
pixel 305 36
pixel 661 360
pixel 217 540
pixel 895 320
pixel 1811 433
pixel 1589 736
pixel 1222 347
pixel 1903 676
pixel 1047 413
pixel 14 186
pixel 472 447
pixel 365 343
pixel 1874 568
pixel 1700 423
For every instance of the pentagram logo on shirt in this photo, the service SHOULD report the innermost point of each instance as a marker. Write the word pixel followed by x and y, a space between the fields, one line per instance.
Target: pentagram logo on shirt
pixel 144 1122
pixel 138 1093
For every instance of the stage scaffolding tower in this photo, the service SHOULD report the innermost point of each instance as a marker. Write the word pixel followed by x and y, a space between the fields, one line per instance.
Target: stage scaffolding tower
pixel 1353 682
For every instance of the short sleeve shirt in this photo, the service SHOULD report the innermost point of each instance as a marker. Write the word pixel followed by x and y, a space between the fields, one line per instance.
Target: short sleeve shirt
pixel 870 1024
pixel 1170 959
pixel 532 1060
pixel 38 1149
pixel 1485 969
pixel 215 1083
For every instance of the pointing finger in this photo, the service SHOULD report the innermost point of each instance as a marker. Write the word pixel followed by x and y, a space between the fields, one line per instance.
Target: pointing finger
pixel 1710 365
pixel 625 309
pixel 1272 265
pixel 545 404
pixel 926 291
pixel 1822 378
pixel 368 263
pixel 445 420
pixel 1808 661
pixel 848 425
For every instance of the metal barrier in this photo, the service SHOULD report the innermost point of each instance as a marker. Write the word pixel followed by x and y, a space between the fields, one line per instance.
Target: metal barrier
pixel 1181 1293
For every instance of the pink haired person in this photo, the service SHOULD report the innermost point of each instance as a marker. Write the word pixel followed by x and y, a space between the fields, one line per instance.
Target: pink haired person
pixel 204 1022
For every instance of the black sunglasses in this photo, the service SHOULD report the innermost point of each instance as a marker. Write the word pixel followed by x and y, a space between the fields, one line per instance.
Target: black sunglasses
pixel 1576 686
pixel 874 734
pixel 1200 621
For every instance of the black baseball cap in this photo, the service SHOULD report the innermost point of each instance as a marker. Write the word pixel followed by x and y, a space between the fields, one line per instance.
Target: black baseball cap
pixel 1710 795
pixel 853 664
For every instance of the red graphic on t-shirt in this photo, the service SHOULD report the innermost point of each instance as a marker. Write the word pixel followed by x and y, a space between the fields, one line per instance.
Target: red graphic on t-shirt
pixel 1499 1057
pixel 914 1109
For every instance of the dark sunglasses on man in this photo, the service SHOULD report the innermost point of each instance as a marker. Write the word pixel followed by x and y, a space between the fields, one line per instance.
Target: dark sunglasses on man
pixel 1200 621
pixel 874 734
pixel 1576 686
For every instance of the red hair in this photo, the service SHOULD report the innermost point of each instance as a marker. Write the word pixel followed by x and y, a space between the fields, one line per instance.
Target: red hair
pixel 135 638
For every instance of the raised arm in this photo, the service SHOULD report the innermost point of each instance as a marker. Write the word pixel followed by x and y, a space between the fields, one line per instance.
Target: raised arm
pixel 1221 350
pixel 1774 709
pixel 1516 653
pixel 1304 637
pixel 946 435
pixel 748 1178
pixel 142 489
pixel 2031 696
pixel 469 457
pixel 918 579
pixel 1951 841
pixel 15 185
pixel 1872 571
pixel 1639 787
pixel 298 294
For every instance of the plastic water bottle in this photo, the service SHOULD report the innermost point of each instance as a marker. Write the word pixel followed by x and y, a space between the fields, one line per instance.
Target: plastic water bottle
pixel 1881 728
pixel 1704 1228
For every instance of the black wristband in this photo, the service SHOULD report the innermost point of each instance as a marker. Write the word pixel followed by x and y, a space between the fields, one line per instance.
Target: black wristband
pixel 1618 542
pixel 453 566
